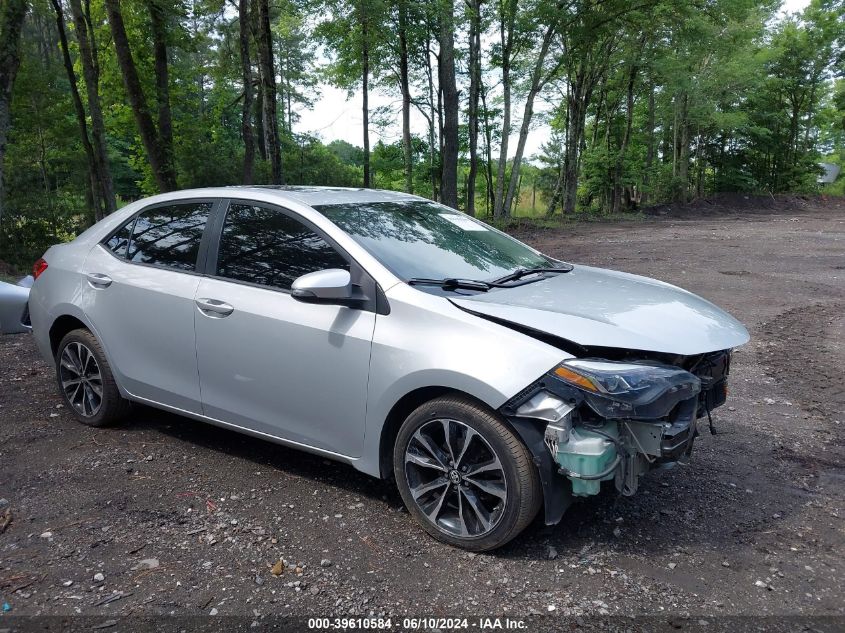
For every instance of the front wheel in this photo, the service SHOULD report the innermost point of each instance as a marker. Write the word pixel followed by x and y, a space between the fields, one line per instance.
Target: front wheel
pixel 464 475
pixel 86 381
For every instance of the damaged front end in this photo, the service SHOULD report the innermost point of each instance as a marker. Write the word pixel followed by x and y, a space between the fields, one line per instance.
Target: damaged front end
pixel 590 420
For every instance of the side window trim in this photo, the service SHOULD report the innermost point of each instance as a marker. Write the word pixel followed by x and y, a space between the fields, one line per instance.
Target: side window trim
pixel 207 235
pixel 214 247
pixel 215 234
pixel 360 276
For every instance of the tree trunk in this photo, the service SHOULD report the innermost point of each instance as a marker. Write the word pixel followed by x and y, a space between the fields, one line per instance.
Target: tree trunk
pixel 474 7
pixel 536 85
pixel 407 149
pixel 246 108
pixel 431 120
pixel 506 35
pixel 289 110
pixel 162 170
pixel 158 22
pixel 557 192
pixel 623 147
pixel 577 116
pixel 365 86
pixel 700 146
pixel 451 104
pixel 794 124
pixel 81 118
pixel 268 79
pixel 91 74
pixel 683 150
pixel 488 149
pixel 650 145
pixel 12 14
pixel 281 86
pixel 259 117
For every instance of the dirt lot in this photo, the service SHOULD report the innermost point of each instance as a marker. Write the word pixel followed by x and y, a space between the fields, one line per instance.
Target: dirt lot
pixel 752 526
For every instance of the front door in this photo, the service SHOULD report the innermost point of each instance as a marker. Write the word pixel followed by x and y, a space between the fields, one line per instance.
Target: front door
pixel 268 362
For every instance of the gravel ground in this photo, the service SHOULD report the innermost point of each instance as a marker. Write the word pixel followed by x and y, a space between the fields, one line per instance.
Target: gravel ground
pixel 164 515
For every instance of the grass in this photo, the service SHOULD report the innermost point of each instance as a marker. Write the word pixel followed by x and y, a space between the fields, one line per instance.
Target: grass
pixel 526 214
pixel 559 221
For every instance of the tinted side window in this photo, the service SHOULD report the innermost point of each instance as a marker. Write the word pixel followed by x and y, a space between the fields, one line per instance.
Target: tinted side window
pixel 169 236
pixel 118 242
pixel 263 246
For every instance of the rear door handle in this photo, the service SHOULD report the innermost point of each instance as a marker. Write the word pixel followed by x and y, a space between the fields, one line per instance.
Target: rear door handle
pixel 214 308
pixel 98 280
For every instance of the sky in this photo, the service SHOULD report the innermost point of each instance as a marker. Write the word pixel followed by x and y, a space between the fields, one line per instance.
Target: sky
pixel 336 115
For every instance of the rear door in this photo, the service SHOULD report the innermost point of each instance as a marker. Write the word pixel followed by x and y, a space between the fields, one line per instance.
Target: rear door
pixel 266 361
pixel 139 295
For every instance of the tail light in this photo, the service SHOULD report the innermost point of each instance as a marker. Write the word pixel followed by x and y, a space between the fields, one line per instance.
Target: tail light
pixel 39 267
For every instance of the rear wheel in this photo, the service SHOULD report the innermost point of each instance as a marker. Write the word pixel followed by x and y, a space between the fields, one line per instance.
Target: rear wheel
pixel 464 475
pixel 86 381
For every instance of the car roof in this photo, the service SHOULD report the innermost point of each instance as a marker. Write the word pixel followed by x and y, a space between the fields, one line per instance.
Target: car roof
pixel 311 196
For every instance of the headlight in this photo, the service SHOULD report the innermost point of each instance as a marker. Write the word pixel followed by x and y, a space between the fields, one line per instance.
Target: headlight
pixel 629 390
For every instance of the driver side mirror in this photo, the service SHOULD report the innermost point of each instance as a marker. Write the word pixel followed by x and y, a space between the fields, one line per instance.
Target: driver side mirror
pixel 332 286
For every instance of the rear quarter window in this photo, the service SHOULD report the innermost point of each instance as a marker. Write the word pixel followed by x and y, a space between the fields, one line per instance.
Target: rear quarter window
pixel 119 242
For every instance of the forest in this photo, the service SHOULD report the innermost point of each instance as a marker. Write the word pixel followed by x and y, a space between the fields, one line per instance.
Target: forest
pixel 640 102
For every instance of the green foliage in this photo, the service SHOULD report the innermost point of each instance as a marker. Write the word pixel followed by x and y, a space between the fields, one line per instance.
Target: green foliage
pixel 741 102
pixel 45 170
pixel 725 96
pixel 308 162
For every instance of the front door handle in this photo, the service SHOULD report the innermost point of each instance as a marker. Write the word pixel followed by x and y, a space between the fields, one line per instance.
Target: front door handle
pixel 98 280
pixel 214 308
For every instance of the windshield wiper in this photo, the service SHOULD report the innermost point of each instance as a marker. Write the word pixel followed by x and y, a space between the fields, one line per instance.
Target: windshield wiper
pixel 455 283
pixel 451 283
pixel 519 273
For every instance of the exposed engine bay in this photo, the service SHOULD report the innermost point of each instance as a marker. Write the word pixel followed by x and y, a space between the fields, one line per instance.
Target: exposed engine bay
pixel 613 415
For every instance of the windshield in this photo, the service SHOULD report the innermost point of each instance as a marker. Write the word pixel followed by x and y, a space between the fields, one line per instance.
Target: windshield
pixel 423 239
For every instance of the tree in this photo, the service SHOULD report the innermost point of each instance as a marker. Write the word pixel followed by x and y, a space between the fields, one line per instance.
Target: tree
pixel 364 22
pixel 474 14
pixel 158 22
pixel 91 73
pixel 267 74
pixel 160 156
pixel 247 132
pixel 448 87
pixel 353 33
pixel 11 21
pixel 506 14
pixel 94 180
pixel 405 87
pixel 539 78
pixel 297 59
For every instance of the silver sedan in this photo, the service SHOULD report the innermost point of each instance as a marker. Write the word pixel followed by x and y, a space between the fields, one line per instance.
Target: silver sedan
pixel 391 333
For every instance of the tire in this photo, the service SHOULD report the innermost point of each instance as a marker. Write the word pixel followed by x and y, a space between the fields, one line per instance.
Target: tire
pixel 479 495
pixel 79 353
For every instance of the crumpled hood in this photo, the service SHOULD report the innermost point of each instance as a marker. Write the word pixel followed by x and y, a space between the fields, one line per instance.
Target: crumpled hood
pixel 597 307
